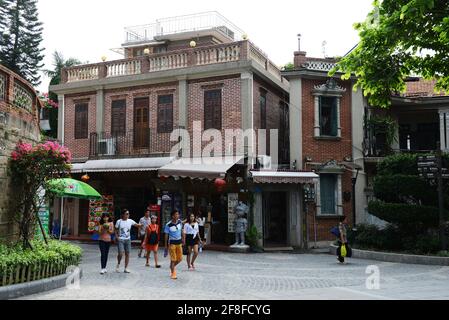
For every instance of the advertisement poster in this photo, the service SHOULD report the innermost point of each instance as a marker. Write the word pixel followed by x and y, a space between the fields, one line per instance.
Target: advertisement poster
pixel 44 216
pixel 96 210
pixel 233 201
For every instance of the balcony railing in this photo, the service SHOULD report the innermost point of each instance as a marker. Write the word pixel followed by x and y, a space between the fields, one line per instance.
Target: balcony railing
pixel 135 143
pixel 207 55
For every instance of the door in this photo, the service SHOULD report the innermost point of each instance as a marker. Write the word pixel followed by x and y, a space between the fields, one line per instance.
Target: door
pixel 141 123
pixel 275 219
pixel 83 217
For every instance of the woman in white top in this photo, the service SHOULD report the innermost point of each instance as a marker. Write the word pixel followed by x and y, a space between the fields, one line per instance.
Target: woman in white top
pixel 201 222
pixel 192 240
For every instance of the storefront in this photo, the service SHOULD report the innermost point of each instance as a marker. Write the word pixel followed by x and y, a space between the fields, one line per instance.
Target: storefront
pixel 278 206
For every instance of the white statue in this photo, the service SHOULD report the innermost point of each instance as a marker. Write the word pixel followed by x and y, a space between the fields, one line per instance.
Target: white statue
pixel 240 223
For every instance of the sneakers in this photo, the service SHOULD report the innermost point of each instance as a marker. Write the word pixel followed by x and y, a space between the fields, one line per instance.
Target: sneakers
pixel 105 270
pixel 117 269
pixel 102 271
pixel 127 270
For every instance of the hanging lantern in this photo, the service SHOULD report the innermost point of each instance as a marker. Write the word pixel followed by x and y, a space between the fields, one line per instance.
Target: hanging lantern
pixel 220 184
pixel 163 178
pixel 85 178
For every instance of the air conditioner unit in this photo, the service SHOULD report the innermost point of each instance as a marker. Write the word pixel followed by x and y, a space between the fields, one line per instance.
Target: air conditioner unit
pixel 264 162
pixel 106 147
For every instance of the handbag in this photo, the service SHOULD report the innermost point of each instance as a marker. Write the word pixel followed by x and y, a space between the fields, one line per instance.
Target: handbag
pixel 343 251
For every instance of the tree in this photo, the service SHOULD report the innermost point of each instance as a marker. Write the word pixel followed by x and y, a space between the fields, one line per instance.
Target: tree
pixel 20 49
pixel 58 64
pixel 399 38
pixel 31 168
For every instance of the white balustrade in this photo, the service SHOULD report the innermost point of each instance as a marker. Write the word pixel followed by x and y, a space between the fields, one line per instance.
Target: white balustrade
pixel 168 61
pixel 83 73
pixel 123 68
pixel 217 55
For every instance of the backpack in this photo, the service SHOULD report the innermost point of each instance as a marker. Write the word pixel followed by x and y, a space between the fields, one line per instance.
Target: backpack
pixel 152 238
pixel 336 231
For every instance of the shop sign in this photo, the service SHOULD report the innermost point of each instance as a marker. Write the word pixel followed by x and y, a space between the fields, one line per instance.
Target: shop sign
pixel 233 201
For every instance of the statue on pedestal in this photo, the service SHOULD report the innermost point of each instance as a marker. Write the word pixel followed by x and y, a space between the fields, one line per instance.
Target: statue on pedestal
pixel 240 223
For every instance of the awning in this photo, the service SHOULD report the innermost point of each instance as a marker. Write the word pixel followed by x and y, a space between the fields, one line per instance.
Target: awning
pixel 284 177
pixel 121 165
pixel 200 168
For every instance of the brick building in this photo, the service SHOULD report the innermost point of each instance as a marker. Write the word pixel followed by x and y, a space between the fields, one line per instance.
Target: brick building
pixel 19 106
pixel 117 118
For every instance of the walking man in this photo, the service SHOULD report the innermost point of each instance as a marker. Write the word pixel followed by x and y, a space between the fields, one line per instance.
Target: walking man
pixel 145 221
pixel 123 234
pixel 173 241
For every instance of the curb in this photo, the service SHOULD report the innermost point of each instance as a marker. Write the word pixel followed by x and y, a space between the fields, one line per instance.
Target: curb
pixel 33 287
pixel 395 257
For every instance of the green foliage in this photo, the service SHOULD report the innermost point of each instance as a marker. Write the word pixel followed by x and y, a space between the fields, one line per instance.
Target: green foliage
pixel 400 163
pixel 57 253
pixel 399 38
pixel 383 125
pixel 252 237
pixel 288 66
pixel 21 37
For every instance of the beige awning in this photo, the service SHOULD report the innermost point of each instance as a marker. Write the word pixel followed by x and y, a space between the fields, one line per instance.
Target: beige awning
pixel 295 177
pixel 121 165
pixel 200 168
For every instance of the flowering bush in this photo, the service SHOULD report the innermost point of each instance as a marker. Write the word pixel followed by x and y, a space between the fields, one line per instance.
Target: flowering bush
pixel 30 168
pixel 48 103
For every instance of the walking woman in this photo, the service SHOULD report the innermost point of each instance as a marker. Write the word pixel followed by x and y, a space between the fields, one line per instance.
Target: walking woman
pixel 342 239
pixel 105 231
pixel 192 240
pixel 151 241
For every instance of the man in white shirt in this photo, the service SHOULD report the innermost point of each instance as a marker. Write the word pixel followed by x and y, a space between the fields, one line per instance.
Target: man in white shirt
pixel 123 235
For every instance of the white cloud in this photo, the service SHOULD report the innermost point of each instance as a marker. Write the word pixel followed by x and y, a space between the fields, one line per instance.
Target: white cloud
pixel 87 29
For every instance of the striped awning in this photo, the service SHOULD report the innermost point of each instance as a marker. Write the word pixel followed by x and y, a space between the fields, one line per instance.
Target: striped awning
pixel 291 177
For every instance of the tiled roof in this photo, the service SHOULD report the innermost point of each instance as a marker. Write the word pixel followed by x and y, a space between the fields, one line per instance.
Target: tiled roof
pixel 422 88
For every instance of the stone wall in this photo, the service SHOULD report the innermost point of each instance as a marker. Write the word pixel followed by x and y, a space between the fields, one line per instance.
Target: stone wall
pixel 17 123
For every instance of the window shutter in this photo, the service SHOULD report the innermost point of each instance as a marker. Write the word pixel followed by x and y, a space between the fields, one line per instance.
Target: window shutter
pixel 81 121
pixel 118 120
pixel 165 114
pixel 212 109
pixel 263 110
pixel 327 189
pixel 334 122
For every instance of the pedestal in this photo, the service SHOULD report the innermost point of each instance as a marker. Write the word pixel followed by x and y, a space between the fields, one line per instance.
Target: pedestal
pixel 239 248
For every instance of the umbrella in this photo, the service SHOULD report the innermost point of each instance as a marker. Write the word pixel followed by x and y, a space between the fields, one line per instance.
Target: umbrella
pixel 71 188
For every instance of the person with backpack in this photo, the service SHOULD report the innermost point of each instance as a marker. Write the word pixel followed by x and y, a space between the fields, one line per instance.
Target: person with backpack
pixel 340 232
pixel 123 234
pixel 151 241
pixel 173 242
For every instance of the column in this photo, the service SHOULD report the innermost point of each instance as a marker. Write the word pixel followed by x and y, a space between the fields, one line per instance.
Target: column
pixel 295 114
pixel 444 129
pixel 295 217
pixel 339 195
pixel 183 103
pixel 99 116
pixel 247 110
pixel 61 118
pixel 258 214
pixel 316 128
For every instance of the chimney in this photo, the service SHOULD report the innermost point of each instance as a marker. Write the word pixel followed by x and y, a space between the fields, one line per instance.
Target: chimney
pixel 299 56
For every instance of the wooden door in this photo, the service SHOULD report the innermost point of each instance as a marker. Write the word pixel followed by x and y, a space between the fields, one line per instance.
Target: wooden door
pixel 141 123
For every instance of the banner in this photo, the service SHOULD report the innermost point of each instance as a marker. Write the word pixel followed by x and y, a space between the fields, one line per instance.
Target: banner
pixel 44 216
pixel 96 210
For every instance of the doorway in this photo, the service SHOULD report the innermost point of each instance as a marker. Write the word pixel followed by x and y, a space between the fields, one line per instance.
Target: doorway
pixel 275 219
pixel 141 123
pixel 83 217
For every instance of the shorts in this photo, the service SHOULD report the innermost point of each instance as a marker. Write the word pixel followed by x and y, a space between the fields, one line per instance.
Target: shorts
pixel 190 241
pixel 152 247
pixel 175 252
pixel 124 245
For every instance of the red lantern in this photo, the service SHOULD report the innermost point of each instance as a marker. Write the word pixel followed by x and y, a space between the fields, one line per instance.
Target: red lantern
pixel 163 178
pixel 220 184
pixel 85 178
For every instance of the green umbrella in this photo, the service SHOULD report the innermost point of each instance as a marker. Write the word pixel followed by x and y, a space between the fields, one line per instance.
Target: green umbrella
pixel 71 188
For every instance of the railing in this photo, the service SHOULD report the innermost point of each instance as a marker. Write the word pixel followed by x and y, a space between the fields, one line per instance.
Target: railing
pixel 123 68
pixel 214 54
pixel 174 25
pixel 22 97
pixel 2 87
pixel 134 143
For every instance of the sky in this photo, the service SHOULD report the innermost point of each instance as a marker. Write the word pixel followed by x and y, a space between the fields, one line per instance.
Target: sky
pixel 88 29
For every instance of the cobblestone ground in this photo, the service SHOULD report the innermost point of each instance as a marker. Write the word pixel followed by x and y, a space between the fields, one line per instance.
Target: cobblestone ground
pixel 255 276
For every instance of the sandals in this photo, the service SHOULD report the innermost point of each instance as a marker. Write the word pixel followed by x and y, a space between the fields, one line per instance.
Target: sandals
pixel 158 266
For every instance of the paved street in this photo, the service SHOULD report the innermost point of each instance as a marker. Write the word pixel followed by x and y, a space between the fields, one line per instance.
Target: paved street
pixel 255 276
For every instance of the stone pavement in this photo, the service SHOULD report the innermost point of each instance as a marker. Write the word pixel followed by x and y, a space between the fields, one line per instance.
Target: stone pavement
pixel 273 276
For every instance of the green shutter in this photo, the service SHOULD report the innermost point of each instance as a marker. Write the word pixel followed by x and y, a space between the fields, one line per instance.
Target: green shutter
pixel 327 192
pixel 334 118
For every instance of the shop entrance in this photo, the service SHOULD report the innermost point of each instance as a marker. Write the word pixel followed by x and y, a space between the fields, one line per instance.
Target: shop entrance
pixel 275 219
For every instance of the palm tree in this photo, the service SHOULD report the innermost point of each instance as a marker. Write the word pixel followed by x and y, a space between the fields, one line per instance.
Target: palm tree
pixel 59 63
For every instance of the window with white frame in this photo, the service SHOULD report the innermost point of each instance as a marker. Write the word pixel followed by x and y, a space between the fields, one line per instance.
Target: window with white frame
pixel 329 199
pixel 327 121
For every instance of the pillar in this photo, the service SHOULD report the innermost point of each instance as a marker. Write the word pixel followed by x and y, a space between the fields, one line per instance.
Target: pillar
pixel 100 111
pixel 61 109
pixel 295 112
